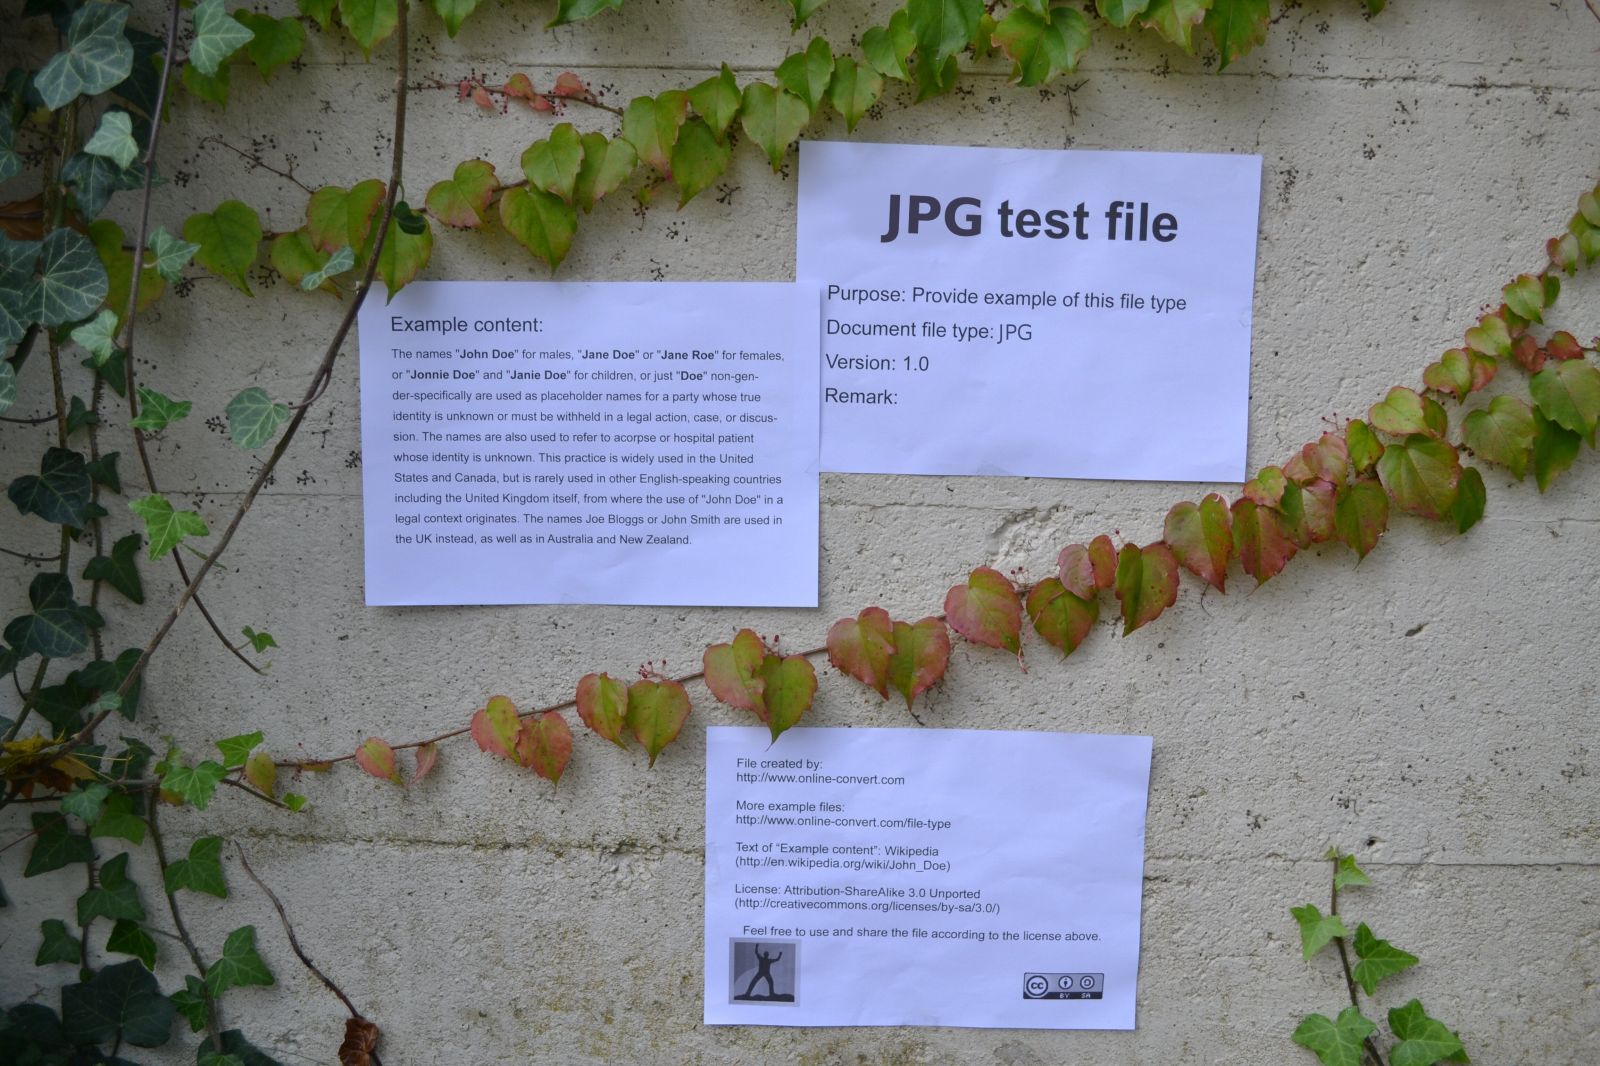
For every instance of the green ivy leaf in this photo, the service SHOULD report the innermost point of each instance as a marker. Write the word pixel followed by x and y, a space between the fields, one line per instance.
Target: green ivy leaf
pixel 294 801
pixel 1336 1043
pixel 606 165
pixel 194 784
pixel 1423 1040
pixel 96 336
pixel 773 118
pixel 168 254
pixel 803 9
pixel 98 56
pixel 120 1002
pixel 462 200
pixel 1346 874
pixel 1379 959
pixel 656 713
pixel 228 240
pixel 115 896
pixel 253 418
pixel 235 1046
pixel 59 493
pixel 1421 474
pixel 887 48
pixel 190 1002
pixel 1568 394
pixel 18 287
pixel 55 845
pixel 1471 499
pixel 854 89
pixel 320 276
pixel 716 100
pixel 239 965
pixel 1042 48
pixel 1062 618
pixel 8 386
pixel 72 280
pixel 211 88
pixel 235 750
pixel 1121 12
pixel 275 41
pixel 58 945
pixel 103 471
pixel 807 74
pixel 698 159
pixel 542 223
pixel 157 412
pixel 577 10
pixel 1554 449
pixel 56 628
pixel 259 641
pixel 85 802
pixel 201 871
pixel 10 161
pixel 119 821
pixel 453 12
pixel 217 35
pixel 129 938
pixel 1316 929
pixel 113 139
pixel 1237 26
pixel 369 21
pixel 164 527
pixel 943 27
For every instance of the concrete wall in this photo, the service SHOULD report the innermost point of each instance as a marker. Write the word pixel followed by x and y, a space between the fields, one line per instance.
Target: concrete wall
pixel 1432 709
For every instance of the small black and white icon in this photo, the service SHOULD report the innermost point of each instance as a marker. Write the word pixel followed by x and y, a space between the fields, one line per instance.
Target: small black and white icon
pixel 763 971
pixel 1063 986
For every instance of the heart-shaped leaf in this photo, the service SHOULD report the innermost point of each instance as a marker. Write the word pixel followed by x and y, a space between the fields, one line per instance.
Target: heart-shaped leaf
pixel 1525 296
pixel 1267 487
pixel 1490 337
pixel 1146 584
pixel 495 727
pixel 1201 538
pixel 98 56
pixel 1062 619
pixel 376 757
pixel 861 647
pixel 217 35
pixel 542 223
pixel 887 48
pixel 1364 445
pixel 1421 474
pixel 986 610
pixel 338 217
pixel 1264 546
pixel 228 238
pixel 717 100
pixel 606 165
pixel 855 88
pixel 656 713
pixel 1379 959
pixel 1503 433
pixel 773 118
pixel 1336 1043
pixel 1554 449
pixel 1568 394
pixel 1400 414
pixel 789 686
pixel 603 706
pixel 698 159
pixel 59 493
pixel 1087 568
pixel 921 653
pixel 545 745
pixel 807 74
pixel 462 200
pixel 651 125
pixel 733 672
pixel 553 163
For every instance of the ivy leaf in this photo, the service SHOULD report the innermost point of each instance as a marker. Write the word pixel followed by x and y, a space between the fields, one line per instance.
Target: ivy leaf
pixel 213 89
pixel 1471 499
pixel 157 412
pixel 228 238
pixel 1201 538
pixel 453 12
pixel 986 610
pixel 276 41
pixel 193 784
pixel 542 223
pixel 1147 584
pixel 19 289
pixel 1264 547
pixel 55 845
pixel 294 801
pixel 336 217
pixel 733 672
pixel 861 647
pixel 94 179
pixel 96 336
pixel 887 48
pixel 773 118
pixel 10 161
pixel 1237 26
pixel 1423 1040
pixel 577 10
pixel 807 74
pixel 716 100
pixel 84 803
pixel 98 56
pixel 369 21
pixel 128 938
pixel 103 471
pixel 1554 449
pixel 1087 568
pixel 651 125
pixel 1346 874
pixel 1421 475
pixel 253 418
pixel 115 896
pixel 1042 48
pixel 1063 619
pixel 376 757
pixel 59 493
pixel 235 750
pixel 259 642
pixel 921 654
pixel 462 199
pixel 72 280
pixel 943 27
pixel 119 821
pixel 606 165
pixel 201 871
pixel 1568 394
pixel 239 966
pixel 55 628
pixel 552 164
pixel 1336 1043
pixel 113 139
pixel 803 9
pixel 1121 12
pixel 121 1002
pixel 603 706
pixel 262 773
pixel 164 527
pixel 1379 959
pixel 698 159
pixel 495 727
pixel 1316 929
pixel 58 945
pixel 217 35
pixel 8 383
pixel 545 745
pixel 190 1001
pixel 854 89
pixel 656 713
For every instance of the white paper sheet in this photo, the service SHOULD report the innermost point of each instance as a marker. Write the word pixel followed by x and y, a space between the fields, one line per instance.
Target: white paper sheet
pixel 1115 380
pixel 635 443
pixel 923 877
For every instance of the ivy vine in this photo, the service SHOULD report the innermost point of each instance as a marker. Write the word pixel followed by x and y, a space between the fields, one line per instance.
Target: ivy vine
pixel 84 125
